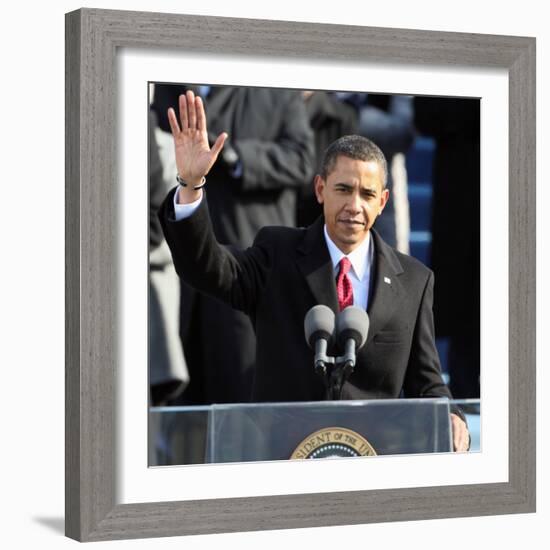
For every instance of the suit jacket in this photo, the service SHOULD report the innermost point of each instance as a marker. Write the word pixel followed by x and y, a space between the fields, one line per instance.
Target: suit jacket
pixel 285 273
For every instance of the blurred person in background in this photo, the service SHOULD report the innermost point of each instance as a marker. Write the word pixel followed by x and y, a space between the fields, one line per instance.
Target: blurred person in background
pixel 167 369
pixel 388 120
pixel 268 156
pixel 168 374
pixel 455 125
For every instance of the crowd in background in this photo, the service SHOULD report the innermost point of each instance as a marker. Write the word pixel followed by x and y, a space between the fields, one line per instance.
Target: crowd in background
pixel 200 350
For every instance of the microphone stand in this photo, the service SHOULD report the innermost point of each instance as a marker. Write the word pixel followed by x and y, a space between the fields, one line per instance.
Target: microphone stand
pixel 324 366
pixel 347 363
pixel 336 383
pixel 335 371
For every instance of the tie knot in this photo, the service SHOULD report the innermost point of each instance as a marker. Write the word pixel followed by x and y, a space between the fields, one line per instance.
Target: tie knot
pixel 345 265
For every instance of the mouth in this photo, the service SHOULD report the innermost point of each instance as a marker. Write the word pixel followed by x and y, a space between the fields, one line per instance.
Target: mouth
pixel 351 222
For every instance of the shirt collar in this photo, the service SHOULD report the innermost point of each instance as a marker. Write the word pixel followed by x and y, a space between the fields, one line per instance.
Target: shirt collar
pixel 360 258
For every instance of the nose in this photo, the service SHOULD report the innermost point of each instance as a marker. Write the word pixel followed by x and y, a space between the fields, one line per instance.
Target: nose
pixel 353 203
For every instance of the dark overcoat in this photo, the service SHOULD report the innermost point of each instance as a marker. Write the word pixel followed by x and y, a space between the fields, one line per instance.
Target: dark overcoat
pixel 285 273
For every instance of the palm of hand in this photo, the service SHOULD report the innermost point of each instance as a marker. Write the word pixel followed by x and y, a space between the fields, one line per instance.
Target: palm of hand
pixel 193 155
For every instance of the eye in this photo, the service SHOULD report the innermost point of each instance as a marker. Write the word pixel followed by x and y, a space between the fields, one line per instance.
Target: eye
pixel 368 194
pixel 342 189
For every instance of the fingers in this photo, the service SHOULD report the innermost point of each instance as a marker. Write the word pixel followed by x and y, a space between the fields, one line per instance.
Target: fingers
pixel 183 112
pixel 191 112
pixel 456 431
pixel 173 121
pixel 460 434
pixel 465 440
pixel 458 441
pixel 191 109
pixel 201 117
pixel 218 145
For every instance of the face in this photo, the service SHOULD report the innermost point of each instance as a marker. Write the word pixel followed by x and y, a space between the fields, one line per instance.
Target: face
pixel 352 197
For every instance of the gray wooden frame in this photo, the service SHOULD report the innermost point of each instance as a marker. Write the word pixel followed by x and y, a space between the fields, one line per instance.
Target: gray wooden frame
pixel 92 39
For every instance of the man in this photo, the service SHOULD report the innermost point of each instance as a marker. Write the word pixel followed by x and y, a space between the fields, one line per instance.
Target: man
pixel 287 271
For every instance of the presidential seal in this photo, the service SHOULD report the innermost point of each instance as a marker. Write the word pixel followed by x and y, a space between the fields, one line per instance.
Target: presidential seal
pixel 333 443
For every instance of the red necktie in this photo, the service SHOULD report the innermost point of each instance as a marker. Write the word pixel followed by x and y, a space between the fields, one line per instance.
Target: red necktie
pixel 344 290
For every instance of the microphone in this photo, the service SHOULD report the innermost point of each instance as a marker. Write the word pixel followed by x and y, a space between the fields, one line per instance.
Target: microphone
pixel 319 331
pixel 352 327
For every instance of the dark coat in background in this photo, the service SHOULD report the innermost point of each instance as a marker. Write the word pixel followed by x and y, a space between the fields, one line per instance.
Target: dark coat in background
pixel 455 125
pixel 288 271
pixel 157 187
pixel 387 120
pixel 270 134
pixel 168 374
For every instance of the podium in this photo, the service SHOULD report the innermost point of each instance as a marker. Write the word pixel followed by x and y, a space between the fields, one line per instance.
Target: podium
pixel 280 431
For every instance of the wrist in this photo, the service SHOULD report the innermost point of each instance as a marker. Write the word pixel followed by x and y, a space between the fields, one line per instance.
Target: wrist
pixel 187 195
pixel 192 183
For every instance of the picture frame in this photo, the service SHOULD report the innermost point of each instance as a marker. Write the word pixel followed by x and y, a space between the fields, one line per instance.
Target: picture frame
pixel 92 39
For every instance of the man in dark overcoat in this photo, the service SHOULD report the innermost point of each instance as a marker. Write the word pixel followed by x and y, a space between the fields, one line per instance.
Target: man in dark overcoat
pixel 287 271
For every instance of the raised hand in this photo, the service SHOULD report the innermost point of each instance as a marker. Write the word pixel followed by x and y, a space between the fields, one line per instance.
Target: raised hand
pixel 194 157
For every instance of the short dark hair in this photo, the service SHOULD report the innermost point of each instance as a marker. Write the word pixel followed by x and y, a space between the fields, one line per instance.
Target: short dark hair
pixel 357 148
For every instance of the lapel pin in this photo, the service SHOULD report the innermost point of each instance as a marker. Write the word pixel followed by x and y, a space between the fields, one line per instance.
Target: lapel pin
pixel 387 280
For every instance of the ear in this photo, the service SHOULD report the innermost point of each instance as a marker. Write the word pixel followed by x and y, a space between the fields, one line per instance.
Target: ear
pixel 319 185
pixel 385 195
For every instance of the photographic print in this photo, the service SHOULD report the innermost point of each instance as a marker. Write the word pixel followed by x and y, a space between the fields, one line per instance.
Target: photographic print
pixel 216 395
